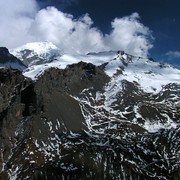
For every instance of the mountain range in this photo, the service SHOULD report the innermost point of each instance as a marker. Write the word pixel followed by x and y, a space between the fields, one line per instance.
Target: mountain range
pixel 104 115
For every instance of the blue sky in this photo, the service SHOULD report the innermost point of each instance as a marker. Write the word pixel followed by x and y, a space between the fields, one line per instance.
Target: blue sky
pixel 161 16
pixel 139 27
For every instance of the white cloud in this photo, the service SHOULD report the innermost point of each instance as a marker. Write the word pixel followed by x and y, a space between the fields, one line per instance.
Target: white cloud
pixel 173 54
pixel 69 34
pixel 130 35
pixel 21 22
pixel 16 17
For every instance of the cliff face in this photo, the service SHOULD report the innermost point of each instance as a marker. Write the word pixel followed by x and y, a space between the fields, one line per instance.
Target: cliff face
pixel 12 109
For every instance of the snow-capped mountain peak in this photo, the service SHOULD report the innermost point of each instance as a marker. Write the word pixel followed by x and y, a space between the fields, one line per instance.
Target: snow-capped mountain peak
pixel 150 75
pixel 35 53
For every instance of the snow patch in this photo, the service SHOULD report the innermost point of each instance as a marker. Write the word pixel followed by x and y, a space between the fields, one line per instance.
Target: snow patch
pixel 155 127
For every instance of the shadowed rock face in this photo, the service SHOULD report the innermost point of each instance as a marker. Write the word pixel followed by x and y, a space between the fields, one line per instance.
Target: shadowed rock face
pixel 7 60
pixel 58 127
pixel 4 54
pixel 37 110
pixel 12 84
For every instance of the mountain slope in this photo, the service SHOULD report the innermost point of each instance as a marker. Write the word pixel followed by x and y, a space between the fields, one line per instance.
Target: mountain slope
pixel 90 121
pixel 7 60
pixel 151 76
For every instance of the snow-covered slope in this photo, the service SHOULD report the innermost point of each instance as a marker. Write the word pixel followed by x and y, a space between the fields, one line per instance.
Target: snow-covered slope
pixel 66 59
pixel 146 75
pixel 151 76
pixel 37 53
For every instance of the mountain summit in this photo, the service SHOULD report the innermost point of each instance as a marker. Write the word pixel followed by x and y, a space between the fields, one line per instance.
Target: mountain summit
pixel 37 53
pixel 107 115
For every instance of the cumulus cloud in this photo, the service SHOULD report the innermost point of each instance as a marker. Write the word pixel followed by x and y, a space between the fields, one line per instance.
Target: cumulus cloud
pixel 130 35
pixel 69 34
pixel 16 17
pixel 22 22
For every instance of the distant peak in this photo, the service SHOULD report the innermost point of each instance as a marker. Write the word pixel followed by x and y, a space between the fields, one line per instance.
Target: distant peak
pixel 38 46
pixel 35 53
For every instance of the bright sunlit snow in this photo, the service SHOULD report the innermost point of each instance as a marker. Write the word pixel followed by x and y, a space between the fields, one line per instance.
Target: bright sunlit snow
pixel 151 76
pixel 44 50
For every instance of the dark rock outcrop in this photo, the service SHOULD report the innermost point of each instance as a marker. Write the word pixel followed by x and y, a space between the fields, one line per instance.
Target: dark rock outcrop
pixel 12 83
pixel 7 60
pixel 30 110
